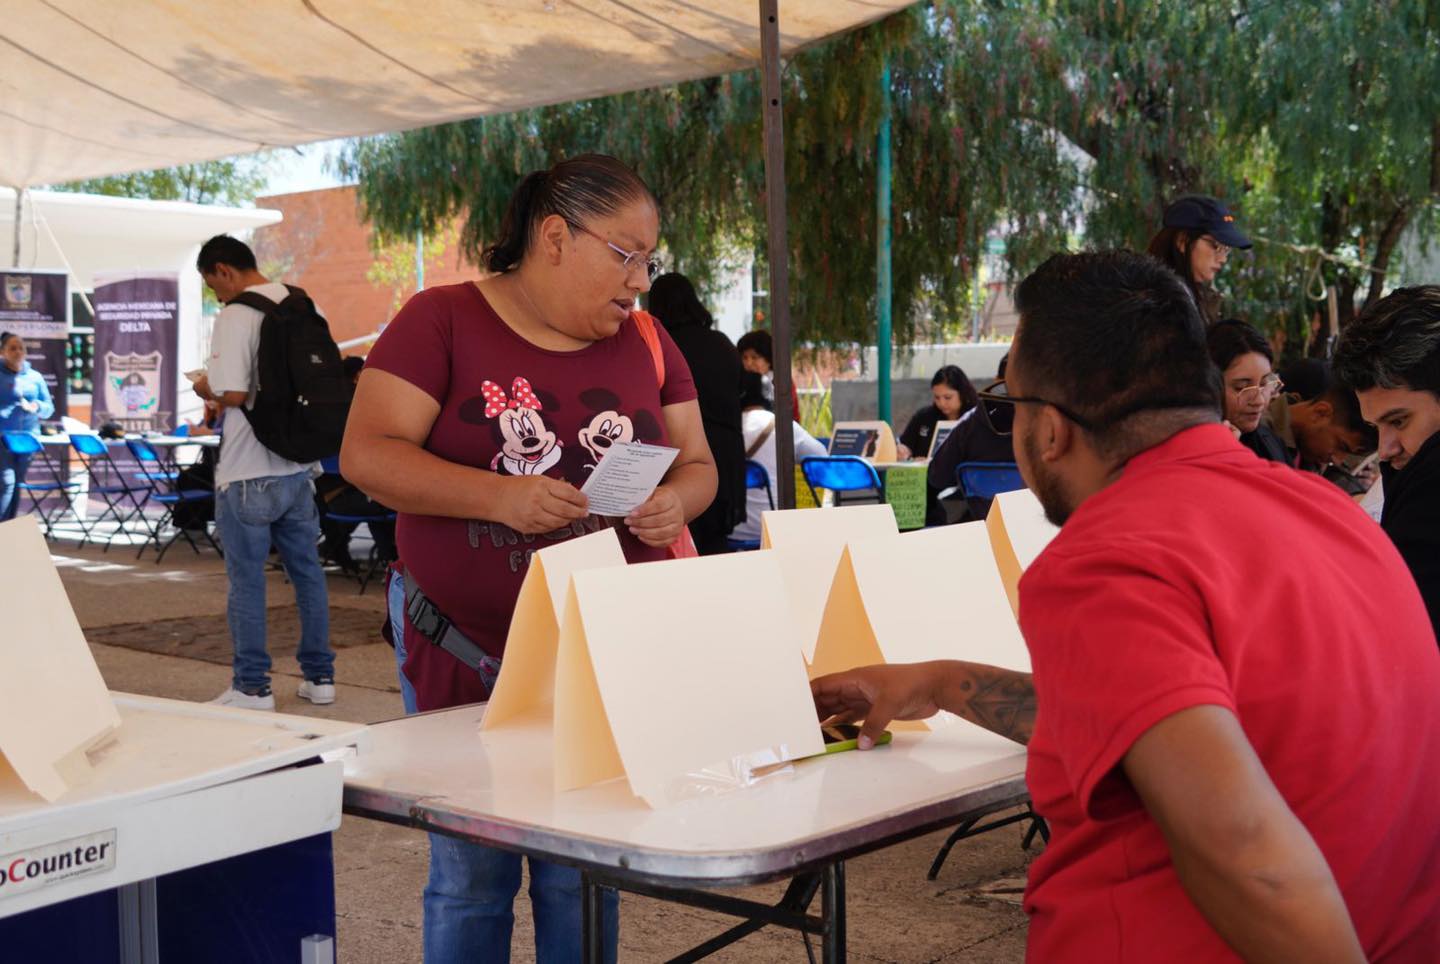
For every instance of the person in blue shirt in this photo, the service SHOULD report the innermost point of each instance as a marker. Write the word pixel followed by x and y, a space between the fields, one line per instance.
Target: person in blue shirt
pixel 24 401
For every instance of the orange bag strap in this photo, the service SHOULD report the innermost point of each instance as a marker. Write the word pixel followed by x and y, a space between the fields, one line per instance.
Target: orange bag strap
pixel 645 324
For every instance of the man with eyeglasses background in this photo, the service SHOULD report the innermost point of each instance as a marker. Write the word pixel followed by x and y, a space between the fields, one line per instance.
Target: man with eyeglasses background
pixel 1390 355
pixel 1235 759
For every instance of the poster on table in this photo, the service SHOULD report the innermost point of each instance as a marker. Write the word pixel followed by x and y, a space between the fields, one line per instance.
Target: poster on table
pixel 36 306
pixel 137 334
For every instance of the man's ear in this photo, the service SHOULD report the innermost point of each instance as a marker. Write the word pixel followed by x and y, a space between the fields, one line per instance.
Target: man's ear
pixel 1057 435
pixel 1322 411
pixel 550 238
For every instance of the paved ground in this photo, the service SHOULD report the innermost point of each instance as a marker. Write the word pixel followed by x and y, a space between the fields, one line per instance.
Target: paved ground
pixel 159 630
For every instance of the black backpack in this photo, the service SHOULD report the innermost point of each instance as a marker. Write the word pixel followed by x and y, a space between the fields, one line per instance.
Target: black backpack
pixel 302 395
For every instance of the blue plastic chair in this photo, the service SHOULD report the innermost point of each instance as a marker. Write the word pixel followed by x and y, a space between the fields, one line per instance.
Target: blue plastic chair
pixel 755 478
pixel 374 563
pixel 841 474
pixel 107 481
pixel 26 444
pixel 985 480
pixel 165 491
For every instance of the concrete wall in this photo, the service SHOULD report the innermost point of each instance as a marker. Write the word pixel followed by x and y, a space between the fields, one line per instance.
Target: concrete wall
pixel 858 399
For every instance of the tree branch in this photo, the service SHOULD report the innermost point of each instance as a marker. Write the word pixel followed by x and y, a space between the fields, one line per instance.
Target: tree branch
pixel 1389 238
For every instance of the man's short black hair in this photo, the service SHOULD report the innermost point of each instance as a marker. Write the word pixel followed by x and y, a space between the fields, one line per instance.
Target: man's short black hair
pixel 1109 335
pixel 223 249
pixel 1394 343
pixel 1346 406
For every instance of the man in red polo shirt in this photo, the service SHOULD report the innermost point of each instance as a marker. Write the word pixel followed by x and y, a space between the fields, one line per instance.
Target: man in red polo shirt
pixel 1238 759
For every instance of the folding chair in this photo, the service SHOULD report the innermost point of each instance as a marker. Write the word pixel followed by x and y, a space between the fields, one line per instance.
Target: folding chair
pixel 755 478
pixel 840 474
pixel 968 828
pixel 373 563
pixel 985 480
pixel 165 491
pixel 23 444
pixel 108 482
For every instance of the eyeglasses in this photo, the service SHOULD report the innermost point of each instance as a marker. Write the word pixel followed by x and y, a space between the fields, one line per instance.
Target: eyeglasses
pixel 998 408
pixel 1268 388
pixel 1221 250
pixel 631 259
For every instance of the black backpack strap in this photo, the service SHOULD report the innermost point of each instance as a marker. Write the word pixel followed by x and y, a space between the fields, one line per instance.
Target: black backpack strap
pixel 296 290
pixel 253 299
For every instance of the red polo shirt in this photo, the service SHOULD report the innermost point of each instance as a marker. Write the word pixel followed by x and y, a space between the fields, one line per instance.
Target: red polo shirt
pixel 1205 575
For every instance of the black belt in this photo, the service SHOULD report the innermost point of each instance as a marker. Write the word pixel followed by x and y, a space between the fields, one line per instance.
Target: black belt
pixel 431 623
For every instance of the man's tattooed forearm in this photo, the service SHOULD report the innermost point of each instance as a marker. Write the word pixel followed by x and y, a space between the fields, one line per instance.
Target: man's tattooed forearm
pixel 1000 700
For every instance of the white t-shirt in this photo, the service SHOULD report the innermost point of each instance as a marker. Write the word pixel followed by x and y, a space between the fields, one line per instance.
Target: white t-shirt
pixel 752 423
pixel 234 347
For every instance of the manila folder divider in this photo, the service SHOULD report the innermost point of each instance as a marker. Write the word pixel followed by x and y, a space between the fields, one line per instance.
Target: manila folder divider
pixel 527 673
pixel 54 705
pixel 1019 532
pixel 675 672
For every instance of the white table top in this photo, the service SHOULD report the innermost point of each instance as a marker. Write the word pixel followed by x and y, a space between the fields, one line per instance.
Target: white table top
pixel 907 464
pixel 435 770
pixel 169 747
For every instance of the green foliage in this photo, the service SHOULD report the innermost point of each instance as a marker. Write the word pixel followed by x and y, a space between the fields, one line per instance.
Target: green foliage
pixel 233 180
pixel 1049 120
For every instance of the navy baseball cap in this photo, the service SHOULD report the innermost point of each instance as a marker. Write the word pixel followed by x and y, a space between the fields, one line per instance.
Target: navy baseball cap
pixel 1199 212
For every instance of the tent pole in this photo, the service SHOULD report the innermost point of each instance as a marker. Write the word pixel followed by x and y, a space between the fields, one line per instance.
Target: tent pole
pixel 19 199
pixel 778 251
pixel 883 293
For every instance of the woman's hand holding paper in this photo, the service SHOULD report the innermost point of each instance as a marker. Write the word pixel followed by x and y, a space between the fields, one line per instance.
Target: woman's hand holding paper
pixel 659 520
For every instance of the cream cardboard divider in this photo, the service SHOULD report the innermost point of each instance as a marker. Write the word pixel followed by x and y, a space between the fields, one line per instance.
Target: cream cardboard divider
pixel 639 672
pixel 54 705
pixel 882 607
pixel 1019 532
pixel 652 661
pixel 808 546
pixel 526 683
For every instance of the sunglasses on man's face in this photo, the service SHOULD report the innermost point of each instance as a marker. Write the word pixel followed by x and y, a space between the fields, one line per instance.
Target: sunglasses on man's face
pixel 997 406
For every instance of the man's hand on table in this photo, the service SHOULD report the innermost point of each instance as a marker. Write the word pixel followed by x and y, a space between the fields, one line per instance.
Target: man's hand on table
pixel 1000 700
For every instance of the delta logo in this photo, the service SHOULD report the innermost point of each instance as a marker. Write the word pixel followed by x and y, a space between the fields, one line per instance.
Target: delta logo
pixel 36 867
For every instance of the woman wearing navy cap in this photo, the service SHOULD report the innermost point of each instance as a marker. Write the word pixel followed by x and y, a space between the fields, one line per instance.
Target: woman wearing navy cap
pixel 1195 242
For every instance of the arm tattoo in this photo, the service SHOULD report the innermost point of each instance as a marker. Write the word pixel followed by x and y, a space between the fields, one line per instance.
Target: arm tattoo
pixel 1001 700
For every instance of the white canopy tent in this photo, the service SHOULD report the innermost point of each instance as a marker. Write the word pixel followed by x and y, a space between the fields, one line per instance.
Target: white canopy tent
pixel 82 234
pixel 94 87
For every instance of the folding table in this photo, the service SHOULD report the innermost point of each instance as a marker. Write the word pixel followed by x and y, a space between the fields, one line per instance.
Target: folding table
pixel 202 833
pixel 436 772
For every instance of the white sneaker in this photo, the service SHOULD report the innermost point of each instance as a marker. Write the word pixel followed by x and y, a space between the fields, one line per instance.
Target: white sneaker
pixel 318 691
pixel 264 700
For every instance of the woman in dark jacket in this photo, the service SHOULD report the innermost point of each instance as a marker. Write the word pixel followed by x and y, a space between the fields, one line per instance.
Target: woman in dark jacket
pixel 715 366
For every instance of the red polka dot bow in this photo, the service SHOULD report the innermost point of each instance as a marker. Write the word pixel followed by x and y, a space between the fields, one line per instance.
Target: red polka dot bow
pixel 521 396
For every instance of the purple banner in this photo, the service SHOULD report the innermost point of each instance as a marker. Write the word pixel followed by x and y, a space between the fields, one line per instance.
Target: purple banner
pixel 36 306
pixel 136 337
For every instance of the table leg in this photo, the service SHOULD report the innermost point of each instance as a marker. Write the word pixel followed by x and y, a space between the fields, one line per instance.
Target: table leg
pixel 832 909
pixel 592 920
pixel 139 930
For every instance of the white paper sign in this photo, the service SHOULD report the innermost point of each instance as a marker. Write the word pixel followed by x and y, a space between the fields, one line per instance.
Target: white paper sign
pixel 626 477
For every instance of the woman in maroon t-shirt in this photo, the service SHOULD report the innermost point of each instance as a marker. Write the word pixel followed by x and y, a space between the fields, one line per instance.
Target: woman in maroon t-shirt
pixel 482 409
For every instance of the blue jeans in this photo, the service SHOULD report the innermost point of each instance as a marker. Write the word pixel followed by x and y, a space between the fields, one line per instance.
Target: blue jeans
pixel 251 515
pixel 12 473
pixel 469 900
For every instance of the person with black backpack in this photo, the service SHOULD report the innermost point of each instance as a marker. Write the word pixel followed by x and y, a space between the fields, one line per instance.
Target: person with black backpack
pixel 272 360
